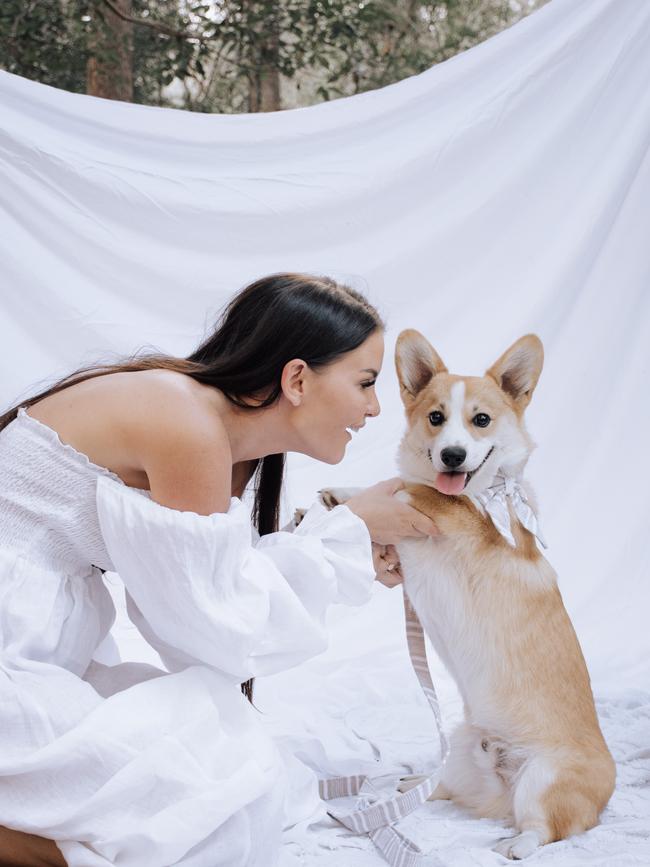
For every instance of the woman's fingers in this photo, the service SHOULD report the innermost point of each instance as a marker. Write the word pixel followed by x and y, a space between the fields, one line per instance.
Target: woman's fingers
pixel 416 523
pixel 388 518
pixel 386 565
pixel 412 523
pixel 378 557
pixel 390 555
pixel 422 525
pixel 391 579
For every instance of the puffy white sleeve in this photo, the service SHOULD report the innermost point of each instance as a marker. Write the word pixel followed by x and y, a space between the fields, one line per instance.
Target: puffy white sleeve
pixel 202 591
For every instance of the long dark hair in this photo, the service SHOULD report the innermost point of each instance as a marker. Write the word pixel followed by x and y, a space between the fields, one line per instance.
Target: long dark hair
pixel 268 323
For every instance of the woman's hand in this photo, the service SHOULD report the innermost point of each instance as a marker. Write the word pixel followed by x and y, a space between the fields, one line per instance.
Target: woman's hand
pixel 388 519
pixel 386 565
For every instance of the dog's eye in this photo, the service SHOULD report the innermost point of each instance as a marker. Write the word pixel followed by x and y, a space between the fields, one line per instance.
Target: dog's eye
pixel 436 418
pixel 481 419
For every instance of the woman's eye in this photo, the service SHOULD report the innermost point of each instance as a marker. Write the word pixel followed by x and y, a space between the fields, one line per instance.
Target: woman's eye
pixel 436 418
pixel 481 419
pixel 368 384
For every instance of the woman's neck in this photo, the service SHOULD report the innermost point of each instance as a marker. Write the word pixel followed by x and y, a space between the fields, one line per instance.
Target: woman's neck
pixel 254 433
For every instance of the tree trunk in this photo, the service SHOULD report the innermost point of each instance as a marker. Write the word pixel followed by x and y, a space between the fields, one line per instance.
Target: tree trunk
pixel 264 93
pixel 109 70
pixel 265 90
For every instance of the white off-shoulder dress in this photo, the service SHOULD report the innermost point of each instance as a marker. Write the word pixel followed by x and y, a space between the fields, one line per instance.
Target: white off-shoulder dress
pixel 134 766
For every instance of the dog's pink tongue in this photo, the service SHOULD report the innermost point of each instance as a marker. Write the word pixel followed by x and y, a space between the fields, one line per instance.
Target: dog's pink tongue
pixel 450 483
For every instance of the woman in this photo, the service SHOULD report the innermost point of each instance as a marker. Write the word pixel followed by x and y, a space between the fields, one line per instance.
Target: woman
pixel 139 467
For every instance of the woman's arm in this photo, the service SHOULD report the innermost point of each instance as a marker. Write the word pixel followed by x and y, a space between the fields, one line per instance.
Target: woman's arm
pixel 207 593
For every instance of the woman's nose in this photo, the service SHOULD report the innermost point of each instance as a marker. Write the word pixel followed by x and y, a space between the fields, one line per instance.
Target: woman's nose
pixel 374 408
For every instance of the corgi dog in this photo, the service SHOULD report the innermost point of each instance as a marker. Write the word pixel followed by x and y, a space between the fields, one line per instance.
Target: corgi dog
pixel 530 751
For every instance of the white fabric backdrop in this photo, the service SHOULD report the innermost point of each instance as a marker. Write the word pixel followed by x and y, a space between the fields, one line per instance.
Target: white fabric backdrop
pixel 502 192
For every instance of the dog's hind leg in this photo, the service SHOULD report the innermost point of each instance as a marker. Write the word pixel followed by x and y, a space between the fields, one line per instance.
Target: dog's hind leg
pixel 531 817
pixel 552 802
pixel 549 803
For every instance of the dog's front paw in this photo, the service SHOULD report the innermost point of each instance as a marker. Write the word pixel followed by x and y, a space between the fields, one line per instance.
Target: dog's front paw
pixel 521 846
pixel 332 497
pixel 298 515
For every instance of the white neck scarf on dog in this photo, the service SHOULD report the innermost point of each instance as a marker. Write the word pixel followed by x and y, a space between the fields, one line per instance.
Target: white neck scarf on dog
pixel 505 491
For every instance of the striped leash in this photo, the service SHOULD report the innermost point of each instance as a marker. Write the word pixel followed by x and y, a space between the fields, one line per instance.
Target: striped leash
pixel 377 818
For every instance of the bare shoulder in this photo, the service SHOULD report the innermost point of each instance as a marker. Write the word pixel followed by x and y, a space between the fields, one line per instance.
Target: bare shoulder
pixel 155 429
pixel 167 404
pixel 176 433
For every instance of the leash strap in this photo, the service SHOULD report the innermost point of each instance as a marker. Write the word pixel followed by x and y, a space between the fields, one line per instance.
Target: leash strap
pixel 374 817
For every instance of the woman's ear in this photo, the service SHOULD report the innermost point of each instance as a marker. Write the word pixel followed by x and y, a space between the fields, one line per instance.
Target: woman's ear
pixel 292 380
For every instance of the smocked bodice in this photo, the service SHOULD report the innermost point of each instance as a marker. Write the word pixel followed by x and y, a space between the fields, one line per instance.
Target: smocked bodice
pixel 48 511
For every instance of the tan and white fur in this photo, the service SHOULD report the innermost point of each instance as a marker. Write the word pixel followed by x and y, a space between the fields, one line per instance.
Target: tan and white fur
pixel 529 751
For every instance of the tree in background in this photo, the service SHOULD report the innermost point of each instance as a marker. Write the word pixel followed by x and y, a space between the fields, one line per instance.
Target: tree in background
pixel 239 55
pixel 109 65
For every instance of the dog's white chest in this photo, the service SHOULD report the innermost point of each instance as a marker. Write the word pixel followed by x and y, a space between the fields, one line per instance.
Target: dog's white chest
pixel 431 574
pixel 439 587
pixel 439 594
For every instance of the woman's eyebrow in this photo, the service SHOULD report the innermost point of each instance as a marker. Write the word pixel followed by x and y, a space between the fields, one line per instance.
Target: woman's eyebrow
pixel 370 370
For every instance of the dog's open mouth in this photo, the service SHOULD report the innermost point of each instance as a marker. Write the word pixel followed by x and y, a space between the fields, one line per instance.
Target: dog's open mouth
pixel 453 483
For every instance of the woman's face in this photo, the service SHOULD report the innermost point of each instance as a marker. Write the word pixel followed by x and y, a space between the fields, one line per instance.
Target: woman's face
pixel 339 398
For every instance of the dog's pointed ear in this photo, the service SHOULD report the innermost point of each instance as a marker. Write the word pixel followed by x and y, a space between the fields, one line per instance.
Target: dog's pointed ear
pixel 417 362
pixel 518 369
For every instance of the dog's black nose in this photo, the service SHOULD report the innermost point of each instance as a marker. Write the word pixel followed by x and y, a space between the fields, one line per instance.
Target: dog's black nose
pixel 453 456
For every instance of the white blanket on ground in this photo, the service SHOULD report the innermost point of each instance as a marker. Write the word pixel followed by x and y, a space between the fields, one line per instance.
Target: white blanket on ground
pixel 504 191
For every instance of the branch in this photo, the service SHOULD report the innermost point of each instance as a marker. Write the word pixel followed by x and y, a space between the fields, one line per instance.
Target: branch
pixel 154 25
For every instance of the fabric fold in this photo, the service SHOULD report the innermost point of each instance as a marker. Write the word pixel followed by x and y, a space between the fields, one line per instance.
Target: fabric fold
pixel 201 592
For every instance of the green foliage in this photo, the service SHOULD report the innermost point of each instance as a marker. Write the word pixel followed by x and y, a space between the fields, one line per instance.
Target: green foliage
pixel 44 40
pixel 215 52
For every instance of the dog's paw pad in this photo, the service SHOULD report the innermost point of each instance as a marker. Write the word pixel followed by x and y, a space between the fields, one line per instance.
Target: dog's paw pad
pixel 516 848
pixel 332 497
pixel 298 515
pixel 328 498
